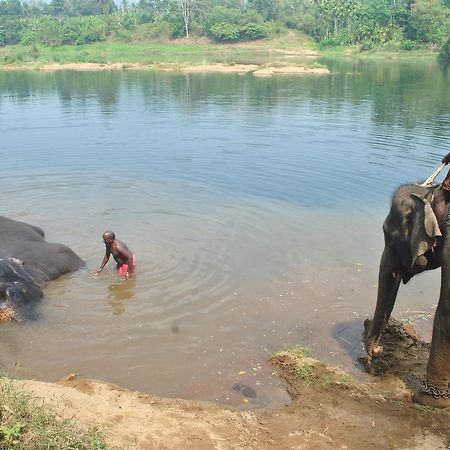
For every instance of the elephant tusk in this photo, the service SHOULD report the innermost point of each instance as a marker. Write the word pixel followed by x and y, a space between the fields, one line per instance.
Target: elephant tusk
pixel 429 181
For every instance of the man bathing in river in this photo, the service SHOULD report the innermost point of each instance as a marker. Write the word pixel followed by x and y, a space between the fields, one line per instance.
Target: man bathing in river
pixel 124 257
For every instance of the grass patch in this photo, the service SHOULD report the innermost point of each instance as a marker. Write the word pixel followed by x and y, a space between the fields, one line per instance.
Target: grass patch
pixel 311 370
pixel 156 52
pixel 184 53
pixel 305 372
pixel 424 409
pixel 378 54
pixel 299 352
pixel 333 379
pixel 26 425
pixel 303 363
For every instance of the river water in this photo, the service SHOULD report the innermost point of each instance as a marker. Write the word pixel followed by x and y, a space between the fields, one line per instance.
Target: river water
pixel 254 207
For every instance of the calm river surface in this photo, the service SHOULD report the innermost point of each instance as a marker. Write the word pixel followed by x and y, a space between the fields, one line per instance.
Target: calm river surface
pixel 254 207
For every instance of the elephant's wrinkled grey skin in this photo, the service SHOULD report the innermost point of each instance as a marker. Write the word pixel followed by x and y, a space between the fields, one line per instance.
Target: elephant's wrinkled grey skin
pixel 18 290
pixel 415 243
pixel 27 262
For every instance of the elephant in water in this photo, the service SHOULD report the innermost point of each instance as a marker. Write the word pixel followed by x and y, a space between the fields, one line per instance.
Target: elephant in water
pixel 18 290
pixel 27 262
pixel 415 242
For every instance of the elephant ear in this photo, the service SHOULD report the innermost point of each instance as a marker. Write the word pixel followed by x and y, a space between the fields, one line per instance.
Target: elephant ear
pixel 424 227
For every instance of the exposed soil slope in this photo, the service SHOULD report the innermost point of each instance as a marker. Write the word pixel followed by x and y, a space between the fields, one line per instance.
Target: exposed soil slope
pixel 329 409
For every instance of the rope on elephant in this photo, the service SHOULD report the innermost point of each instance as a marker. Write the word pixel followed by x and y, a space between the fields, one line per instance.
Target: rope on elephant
pixel 429 181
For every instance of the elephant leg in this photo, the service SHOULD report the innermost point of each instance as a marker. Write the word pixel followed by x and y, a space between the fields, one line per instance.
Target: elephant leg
pixel 388 283
pixel 436 390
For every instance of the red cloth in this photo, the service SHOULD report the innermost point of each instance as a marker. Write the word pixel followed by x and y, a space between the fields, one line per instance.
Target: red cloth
pixel 123 269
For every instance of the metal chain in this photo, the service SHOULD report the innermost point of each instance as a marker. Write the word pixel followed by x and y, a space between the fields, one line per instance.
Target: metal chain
pixel 434 391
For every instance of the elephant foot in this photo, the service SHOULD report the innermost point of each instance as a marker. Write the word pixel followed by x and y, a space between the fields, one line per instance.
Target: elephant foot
pixel 373 349
pixel 431 396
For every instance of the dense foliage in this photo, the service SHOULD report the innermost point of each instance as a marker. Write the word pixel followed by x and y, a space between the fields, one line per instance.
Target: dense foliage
pixel 397 24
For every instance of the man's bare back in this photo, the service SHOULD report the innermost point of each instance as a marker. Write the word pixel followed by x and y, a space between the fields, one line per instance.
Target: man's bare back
pixel 124 257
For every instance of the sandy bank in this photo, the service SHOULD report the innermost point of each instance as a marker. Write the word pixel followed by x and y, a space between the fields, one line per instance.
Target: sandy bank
pixel 329 409
pixel 219 68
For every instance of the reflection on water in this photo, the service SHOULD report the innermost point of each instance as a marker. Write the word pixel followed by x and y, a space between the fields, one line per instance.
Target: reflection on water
pixel 119 295
pixel 254 207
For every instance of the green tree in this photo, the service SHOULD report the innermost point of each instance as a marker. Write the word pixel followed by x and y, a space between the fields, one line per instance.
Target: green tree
pixel 187 10
pixel 429 21
pixel 2 36
pixel 11 8
pixel 269 9
pixel 444 53
pixel 57 7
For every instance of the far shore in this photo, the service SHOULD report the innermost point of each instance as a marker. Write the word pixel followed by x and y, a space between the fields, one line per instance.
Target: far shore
pixel 289 54
pixel 266 70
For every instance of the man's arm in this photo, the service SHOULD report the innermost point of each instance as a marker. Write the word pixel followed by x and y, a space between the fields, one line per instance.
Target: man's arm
pixel 105 260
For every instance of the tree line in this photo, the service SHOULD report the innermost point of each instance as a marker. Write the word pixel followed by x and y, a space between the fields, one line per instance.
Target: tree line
pixel 396 24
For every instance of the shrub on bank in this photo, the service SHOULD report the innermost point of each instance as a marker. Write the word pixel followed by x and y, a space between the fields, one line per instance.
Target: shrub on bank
pixel 224 31
pixel 444 53
pixel 51 31
pixel 26 425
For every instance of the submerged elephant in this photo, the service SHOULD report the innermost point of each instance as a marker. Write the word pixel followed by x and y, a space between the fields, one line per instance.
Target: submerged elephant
pixel 18 290
pixel 27 262
pixel 415 242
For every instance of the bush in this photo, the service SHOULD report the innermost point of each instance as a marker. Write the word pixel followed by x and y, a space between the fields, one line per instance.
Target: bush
pixel 220 14
pixel 444 53
pixel 71 31
pixel 408 45
pixel 45 30
pixel 2 36
pixel 12 27
pixel 157 30
pixel 252 31
pixel 224 32
pixel 429 22
pixel 275 28
pixel 92 29
pixel 177 29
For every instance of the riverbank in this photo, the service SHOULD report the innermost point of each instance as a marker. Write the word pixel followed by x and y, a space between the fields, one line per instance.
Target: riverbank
pixel 329 410
pixel 256 70
pixel 291 53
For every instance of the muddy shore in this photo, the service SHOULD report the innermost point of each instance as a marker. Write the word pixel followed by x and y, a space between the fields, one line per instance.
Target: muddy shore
pixel 330 410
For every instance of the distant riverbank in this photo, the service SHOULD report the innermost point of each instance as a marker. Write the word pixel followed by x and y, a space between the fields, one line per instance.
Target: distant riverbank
pixel 284 54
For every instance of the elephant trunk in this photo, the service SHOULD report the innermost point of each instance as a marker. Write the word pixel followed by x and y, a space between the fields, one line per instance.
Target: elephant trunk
pixel 388 283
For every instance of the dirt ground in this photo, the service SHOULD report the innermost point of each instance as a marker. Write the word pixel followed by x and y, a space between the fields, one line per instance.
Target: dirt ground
pixel 329 409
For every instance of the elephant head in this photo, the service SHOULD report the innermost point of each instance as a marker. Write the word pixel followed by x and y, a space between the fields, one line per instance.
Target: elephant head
pixel 414 242
pixel 18 290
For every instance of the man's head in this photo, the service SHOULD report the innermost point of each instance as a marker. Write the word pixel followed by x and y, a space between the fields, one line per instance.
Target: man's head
pixel 108 237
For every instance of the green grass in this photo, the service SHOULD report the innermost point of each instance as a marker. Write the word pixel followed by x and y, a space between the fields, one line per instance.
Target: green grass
pixel 26 425
pixel 308 370
pixel 147 54
pixel 183 53
pixel 154 53
pixel 335 379
pixel 304 364
pixel 379 54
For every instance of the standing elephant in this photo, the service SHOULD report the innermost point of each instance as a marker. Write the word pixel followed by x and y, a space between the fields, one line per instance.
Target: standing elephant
pixel 415 242
pixel 27 262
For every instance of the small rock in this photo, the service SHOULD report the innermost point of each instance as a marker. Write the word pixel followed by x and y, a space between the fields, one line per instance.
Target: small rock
pixel 247 391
